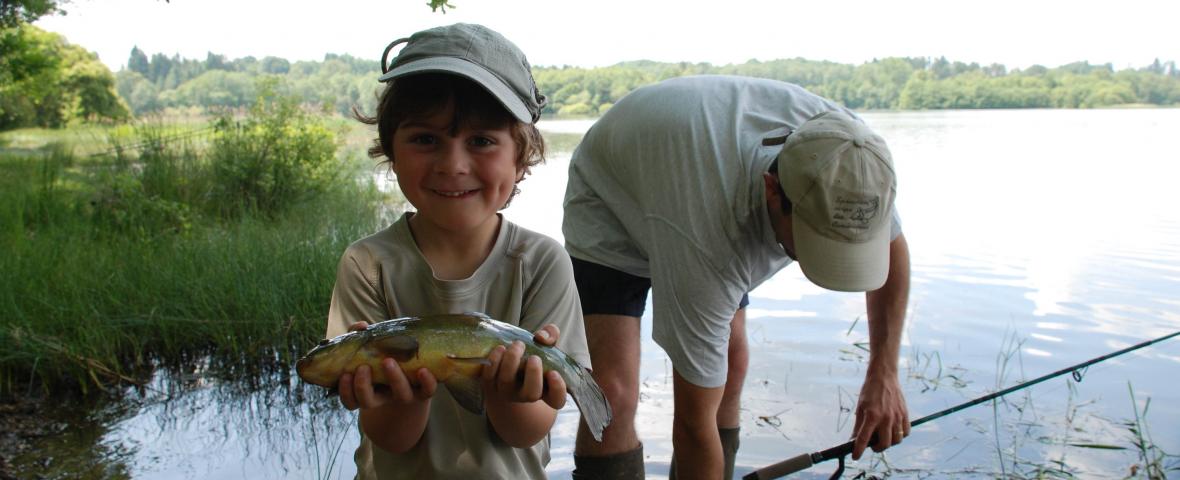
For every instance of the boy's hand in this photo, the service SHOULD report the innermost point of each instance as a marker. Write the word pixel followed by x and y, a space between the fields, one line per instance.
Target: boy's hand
pixel 547 335
pixel 554 395
pixel 502 377
pixel 357 389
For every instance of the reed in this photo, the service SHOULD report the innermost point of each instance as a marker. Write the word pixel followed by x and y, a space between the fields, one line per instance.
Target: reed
pixel 119 263
pixel 1154 463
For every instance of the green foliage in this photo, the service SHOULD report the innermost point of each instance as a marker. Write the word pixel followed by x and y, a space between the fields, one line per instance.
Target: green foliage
pixel 81 311
pixel 115 263
pixel 14 12
pixel 140 94
pixel 31 196
pixel 436 5
pixel 45 81
pixel 214 90
pixel 276 156
pixel 341 82
pixel 123 206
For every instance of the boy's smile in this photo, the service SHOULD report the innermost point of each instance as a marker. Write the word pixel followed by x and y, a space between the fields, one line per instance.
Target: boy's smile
pixel 458 194
pixel 457 176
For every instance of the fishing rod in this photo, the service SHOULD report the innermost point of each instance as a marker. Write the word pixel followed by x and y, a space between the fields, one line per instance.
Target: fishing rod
pixel 792 465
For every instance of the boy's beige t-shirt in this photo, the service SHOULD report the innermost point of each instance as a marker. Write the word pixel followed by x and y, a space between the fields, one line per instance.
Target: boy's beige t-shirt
pixel 527 280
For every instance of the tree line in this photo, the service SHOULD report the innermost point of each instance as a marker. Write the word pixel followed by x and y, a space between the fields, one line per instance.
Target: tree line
pixel 338 83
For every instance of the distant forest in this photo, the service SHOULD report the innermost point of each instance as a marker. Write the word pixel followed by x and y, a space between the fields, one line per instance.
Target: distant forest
pixel 156 82
pixel 341 81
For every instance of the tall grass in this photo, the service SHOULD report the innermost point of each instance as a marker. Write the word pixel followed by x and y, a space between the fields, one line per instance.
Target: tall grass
pixel 116 265
pixel 1154 463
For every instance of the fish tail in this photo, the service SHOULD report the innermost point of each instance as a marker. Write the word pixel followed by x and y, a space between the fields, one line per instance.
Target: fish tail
pixel 591 401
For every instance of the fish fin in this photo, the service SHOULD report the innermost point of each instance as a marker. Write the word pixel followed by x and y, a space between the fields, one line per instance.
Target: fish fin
pixel 467 392
pixel 402 348
pixel 591 401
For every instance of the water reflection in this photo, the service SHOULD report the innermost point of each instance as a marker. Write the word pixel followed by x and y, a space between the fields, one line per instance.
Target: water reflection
pixel 207 427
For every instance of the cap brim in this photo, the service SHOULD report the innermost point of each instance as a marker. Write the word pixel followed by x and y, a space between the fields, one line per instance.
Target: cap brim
pixel 841 266
pixel 476 73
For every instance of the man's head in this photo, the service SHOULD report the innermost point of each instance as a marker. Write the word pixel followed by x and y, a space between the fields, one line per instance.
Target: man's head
pixel 839 178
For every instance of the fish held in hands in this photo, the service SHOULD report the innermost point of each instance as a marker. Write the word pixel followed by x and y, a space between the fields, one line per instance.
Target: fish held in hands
pixel 454 348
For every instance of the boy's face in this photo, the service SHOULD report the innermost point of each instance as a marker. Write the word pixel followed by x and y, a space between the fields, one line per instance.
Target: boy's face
pixel 457 180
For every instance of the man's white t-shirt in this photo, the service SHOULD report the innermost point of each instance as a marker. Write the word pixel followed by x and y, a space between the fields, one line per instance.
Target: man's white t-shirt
pixel 668 185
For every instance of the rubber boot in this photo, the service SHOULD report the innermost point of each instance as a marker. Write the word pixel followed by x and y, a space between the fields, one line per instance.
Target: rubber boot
pixel 620 466
pixel 730 441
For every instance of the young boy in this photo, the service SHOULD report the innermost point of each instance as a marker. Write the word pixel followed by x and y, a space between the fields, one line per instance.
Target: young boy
pixel 457 125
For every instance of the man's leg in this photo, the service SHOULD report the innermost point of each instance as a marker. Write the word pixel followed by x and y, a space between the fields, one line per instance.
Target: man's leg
pixel 614 351
pixel 695 439
pixel 729 420
pixel 729 412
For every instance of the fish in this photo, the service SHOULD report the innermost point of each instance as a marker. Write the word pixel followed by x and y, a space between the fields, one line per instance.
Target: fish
pixel 454 348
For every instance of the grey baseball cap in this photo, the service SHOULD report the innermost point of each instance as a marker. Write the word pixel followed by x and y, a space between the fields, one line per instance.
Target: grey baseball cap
pixel 475 52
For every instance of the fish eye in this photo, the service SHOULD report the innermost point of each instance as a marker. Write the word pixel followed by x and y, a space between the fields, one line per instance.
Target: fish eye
pixel 323 342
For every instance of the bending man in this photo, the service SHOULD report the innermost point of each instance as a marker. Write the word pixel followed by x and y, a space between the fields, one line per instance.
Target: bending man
pixel 701 188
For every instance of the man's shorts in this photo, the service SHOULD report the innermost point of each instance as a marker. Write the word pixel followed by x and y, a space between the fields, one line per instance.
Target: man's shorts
pixel 606 291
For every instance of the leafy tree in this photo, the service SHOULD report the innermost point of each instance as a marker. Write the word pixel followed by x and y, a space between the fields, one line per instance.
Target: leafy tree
pixel 89 88
pixel 45 81
pixel 138 61
pixel 213 90
pixel 14 12
pixel 158 68
pixel 140 94
pixel 216 62
pixel 275 65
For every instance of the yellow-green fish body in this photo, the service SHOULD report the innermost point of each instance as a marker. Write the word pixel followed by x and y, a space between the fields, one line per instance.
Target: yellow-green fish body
pixel 454 348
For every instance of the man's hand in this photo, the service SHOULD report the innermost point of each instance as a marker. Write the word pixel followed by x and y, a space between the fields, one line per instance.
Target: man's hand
pixel 357 389
pixel 882 411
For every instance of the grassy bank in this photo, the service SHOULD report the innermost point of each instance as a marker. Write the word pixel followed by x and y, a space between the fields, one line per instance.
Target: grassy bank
pixel 172 247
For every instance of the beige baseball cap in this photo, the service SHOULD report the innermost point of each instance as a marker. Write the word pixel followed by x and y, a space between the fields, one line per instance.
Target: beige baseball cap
pixel 839 177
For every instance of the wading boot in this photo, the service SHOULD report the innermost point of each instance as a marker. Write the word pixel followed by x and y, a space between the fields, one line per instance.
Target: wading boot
pixel 729 448
pixel 620 466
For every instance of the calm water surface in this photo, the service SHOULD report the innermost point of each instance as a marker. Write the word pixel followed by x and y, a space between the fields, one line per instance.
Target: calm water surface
pixel 1039 239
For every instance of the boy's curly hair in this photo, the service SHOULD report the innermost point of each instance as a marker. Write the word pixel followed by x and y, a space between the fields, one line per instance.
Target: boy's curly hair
pixel 421 95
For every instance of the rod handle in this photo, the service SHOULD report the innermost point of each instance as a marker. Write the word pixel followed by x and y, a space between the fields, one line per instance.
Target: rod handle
pixel 780 469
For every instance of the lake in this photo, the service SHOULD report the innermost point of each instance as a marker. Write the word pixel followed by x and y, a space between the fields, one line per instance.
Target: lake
pixel 1039 239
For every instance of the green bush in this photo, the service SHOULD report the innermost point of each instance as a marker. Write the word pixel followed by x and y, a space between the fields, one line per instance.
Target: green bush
pixel 121 205
pixel 278 155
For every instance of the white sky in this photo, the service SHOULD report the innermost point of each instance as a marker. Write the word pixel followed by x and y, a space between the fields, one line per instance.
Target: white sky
pixel 1016 33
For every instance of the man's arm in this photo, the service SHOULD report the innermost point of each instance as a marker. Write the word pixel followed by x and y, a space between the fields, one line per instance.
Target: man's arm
pixel 881 409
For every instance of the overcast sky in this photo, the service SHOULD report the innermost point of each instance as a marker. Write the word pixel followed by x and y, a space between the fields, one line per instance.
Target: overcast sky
pixel 1016 33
